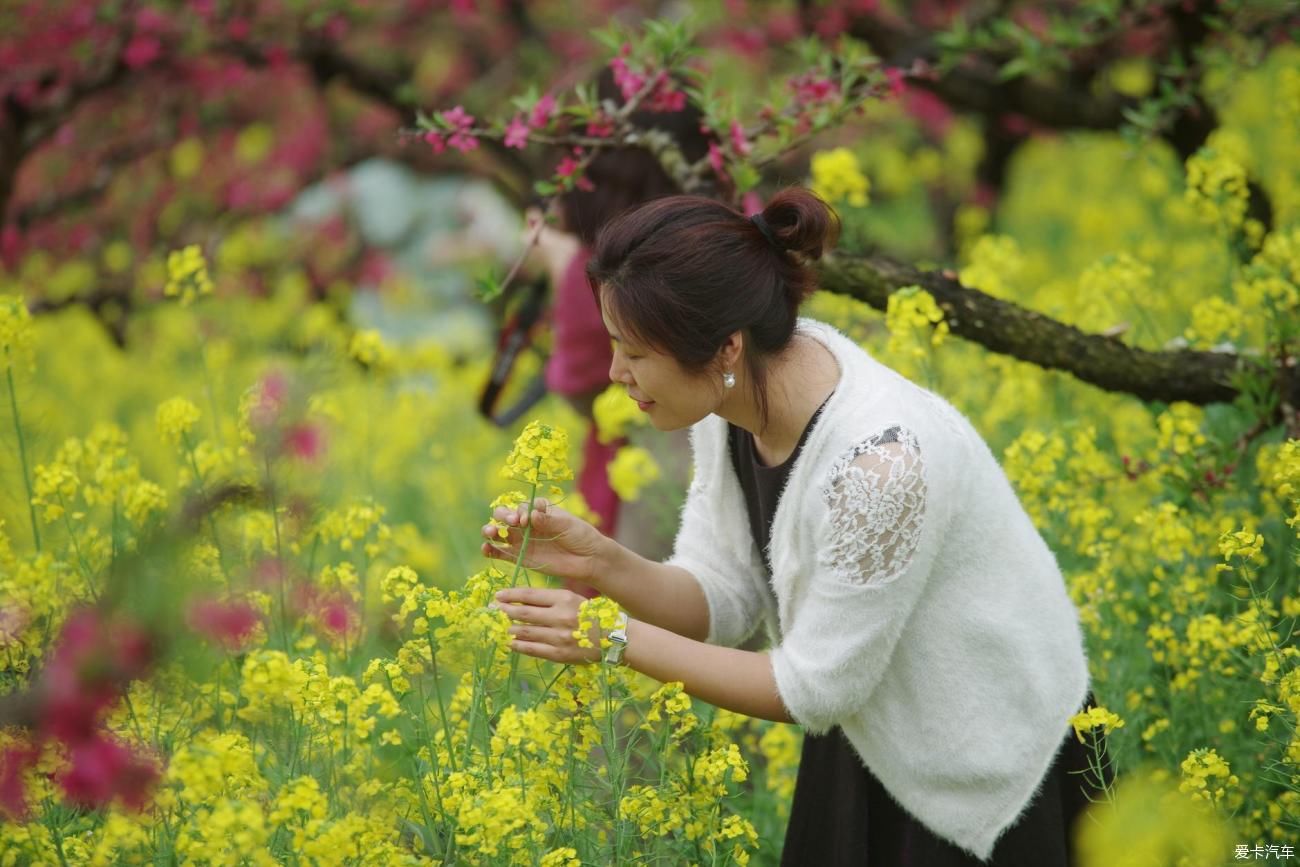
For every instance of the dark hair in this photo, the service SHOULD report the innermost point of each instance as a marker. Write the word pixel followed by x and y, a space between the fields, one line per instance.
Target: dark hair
pixel 625 177
pixel 683 273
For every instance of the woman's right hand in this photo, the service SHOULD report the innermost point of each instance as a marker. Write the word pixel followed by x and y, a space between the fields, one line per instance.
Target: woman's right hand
pixel 561 543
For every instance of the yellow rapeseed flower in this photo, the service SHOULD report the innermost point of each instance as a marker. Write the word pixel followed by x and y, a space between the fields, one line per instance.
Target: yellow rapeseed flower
pixel 1150 822
pixel 1214 321
pixel 911 313
pixel 1241 545
pixel 1206 775
pixel 540 454
pixel 632 468
pixel 187 274
pixel 176 418
pixel 837 177
pixel 994 266
pixel 15 332
pixel 614 412
pixel 600 610
pixel 368 347
pixel 1216 188
pixel 1093 717
pixel 567 857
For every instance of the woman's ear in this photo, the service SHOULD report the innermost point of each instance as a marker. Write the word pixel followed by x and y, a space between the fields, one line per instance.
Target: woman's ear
pixel 731 350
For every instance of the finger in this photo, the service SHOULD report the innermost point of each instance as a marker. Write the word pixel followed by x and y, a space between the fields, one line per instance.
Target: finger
pixel 525 513
pixel 540 596
pixel 495 552
pixel 496 549
pixel 506 516
pixel 540 634
pixel 533 648
pixel 512 539
pixel 525 613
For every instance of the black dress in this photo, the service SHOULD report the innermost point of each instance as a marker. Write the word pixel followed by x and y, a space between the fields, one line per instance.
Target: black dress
pixel 842 815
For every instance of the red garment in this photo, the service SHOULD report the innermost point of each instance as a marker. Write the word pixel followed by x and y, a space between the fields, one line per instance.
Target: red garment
pixel 579 364
pixel 581 354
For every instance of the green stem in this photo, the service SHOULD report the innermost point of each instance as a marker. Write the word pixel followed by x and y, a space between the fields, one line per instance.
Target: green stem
pixel 523 549
pixel 279 554
pixel 76 549
pixel 541 698
pixel 211 393
pixel 22 447
pixel 442 707
pixel 200 484
pixel 424 804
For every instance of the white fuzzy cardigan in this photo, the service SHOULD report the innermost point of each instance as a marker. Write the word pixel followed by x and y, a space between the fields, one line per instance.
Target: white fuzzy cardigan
pixel 916 605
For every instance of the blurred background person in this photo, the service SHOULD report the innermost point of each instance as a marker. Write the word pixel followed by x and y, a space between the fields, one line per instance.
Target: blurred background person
pixel 578 367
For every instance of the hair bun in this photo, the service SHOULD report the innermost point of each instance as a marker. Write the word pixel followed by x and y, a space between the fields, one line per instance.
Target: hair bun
pixel 801 222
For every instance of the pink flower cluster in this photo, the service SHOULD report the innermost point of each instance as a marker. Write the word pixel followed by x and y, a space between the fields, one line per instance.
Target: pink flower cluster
pixel 94 660
pixel 227 623
pixel 567 172
pixel 662 97
pixel 518 129
pixel 813 89
pixel 459 137
pixel 273 422
pixel 147 40
pixel 739 143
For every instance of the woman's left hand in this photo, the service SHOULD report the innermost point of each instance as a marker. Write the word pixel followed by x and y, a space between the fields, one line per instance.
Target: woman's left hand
pixel 544 620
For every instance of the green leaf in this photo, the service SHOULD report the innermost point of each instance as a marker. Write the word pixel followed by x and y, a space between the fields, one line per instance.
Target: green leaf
pixel 1015 68
pixel 745 176
pixel 610 37
pixel 544 188
pixel 528 99
pixel 406 93
pixel 487 288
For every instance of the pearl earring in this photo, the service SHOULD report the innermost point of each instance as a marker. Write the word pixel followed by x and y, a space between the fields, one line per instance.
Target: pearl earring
pixel 729 379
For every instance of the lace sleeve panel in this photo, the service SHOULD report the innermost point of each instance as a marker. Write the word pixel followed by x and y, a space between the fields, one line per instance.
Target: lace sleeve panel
pixel 876 495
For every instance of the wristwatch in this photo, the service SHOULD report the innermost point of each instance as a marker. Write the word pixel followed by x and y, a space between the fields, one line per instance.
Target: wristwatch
pixel 618 639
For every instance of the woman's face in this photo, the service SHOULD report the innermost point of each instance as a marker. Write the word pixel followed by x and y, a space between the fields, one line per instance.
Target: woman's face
pixel 671 397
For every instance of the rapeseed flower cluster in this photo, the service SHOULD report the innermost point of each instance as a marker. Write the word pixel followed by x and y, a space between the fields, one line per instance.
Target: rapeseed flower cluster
pixel 837 177
pixel 670 702
pixel 1214 322
pixel 187 275
pixel 369 349
pixel 1279 472
pixel 615 413
pixel 995 265
pixel 1151 822
pixel 1112 285
pixel 176 418
pixel 1206 775
pixel 96 471
pixel 540 454
pixel 16 344
pixel 1216 188
pixel 915 323
pixel 1095 717
pixel 600 613
pixel 632 468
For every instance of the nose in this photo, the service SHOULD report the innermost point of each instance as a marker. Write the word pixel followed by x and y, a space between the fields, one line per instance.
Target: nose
pixel 617 369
